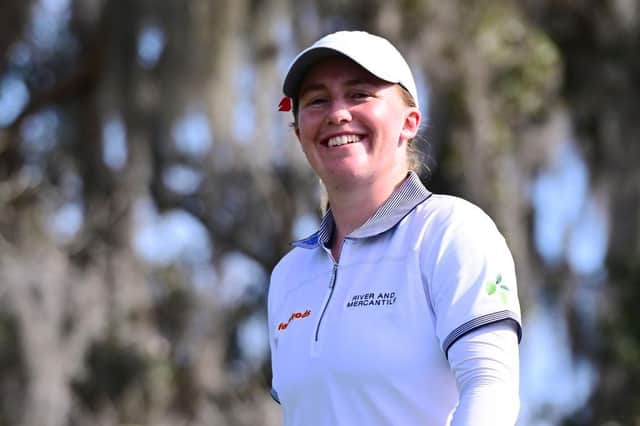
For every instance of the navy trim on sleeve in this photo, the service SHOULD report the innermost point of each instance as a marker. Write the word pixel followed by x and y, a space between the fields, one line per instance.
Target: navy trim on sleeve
pixel 479 322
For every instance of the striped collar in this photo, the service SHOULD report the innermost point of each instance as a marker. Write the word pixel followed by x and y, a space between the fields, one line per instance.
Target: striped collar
pixel 403 200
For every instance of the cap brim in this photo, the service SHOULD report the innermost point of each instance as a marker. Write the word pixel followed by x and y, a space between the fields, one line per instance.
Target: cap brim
pixel 301 65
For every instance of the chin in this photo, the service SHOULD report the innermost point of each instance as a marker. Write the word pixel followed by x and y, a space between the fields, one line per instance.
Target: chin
pixel 344 176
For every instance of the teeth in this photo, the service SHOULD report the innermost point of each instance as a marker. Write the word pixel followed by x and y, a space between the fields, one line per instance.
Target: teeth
pixel 342 140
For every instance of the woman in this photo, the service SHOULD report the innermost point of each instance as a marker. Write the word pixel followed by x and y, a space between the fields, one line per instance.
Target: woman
pixel 402 308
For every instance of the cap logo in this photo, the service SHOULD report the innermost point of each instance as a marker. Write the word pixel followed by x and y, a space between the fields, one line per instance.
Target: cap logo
pixel 285 104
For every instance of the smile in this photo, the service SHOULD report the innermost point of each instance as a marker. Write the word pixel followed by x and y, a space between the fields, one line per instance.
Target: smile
pixel 342 140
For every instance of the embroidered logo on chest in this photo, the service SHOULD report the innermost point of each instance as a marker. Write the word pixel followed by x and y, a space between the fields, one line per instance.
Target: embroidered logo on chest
pixel 294 316
pixel 372 299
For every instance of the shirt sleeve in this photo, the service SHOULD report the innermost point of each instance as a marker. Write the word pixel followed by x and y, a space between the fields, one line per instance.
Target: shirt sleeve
pixel 470 276
pixel 485 363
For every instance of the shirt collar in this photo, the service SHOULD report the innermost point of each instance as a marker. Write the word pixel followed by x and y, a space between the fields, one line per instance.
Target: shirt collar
pixel 403 200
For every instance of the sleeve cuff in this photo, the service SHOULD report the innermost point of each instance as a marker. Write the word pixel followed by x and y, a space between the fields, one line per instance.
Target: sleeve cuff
pixel 479 322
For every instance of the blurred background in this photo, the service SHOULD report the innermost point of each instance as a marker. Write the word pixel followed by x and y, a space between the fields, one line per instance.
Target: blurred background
pixel 148 186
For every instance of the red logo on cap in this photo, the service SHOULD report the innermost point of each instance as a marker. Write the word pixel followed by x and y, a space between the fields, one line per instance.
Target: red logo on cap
pixel 285 104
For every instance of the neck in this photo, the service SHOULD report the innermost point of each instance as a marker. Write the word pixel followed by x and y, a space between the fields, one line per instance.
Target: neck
pixel 353 206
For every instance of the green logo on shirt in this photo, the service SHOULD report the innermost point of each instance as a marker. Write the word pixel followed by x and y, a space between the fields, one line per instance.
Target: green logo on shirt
pixel 497 287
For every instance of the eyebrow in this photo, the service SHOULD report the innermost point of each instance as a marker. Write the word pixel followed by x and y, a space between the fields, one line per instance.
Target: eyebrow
pixel 319 86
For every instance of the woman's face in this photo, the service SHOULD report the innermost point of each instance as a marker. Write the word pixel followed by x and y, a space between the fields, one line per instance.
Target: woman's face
pixel 353 127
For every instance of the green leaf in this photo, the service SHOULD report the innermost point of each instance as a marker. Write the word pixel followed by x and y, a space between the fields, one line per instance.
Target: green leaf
pixel 491 288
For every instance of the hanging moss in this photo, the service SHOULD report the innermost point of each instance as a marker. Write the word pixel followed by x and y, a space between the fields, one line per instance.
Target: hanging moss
pixel 525 64
pixel 12 376
pixel 111 368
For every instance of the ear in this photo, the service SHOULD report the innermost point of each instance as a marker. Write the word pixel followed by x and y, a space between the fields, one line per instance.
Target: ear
pixel 411 124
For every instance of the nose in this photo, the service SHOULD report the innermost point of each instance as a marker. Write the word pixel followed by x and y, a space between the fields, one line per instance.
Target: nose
pixel 339 113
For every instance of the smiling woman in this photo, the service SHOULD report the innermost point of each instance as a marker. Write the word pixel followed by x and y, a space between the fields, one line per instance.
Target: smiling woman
pixel 345 118
pixel 403 323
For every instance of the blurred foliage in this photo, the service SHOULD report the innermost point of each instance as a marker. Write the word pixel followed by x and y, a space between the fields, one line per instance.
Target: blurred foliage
pixel 12 369
pixel 111 370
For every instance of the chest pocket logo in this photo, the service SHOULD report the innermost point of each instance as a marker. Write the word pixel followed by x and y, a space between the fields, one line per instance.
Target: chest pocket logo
pixel 372 299
pixel 294 316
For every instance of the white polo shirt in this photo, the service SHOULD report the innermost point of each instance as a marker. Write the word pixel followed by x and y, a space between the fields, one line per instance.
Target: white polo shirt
pixel 364 342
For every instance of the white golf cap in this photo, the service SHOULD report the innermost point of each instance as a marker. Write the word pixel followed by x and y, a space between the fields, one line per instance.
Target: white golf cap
pixel 373 53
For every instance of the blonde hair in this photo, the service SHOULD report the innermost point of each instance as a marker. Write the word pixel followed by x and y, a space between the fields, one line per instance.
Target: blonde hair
pixel 415 160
